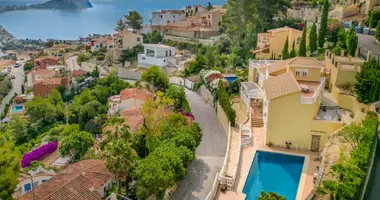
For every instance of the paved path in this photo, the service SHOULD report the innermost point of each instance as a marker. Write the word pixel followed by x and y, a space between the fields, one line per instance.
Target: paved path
pixel 16 83
pixel 71 63
pixel 209 154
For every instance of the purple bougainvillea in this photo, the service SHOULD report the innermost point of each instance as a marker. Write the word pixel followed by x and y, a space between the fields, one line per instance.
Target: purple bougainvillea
pixel 39 153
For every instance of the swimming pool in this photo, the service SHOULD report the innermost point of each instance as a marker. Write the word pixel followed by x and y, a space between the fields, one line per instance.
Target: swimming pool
pixel 274 172
pixel 17 108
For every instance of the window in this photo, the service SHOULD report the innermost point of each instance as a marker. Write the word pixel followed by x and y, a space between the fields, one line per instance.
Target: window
pixel 43 181
pixel 298 72
pixel 161 16
pixel 138 39
pixel 298 40
pixel 219 23
pixel 168 21
pixel 27 187
pixel 209 16
pixel 173 16
pixel 305 72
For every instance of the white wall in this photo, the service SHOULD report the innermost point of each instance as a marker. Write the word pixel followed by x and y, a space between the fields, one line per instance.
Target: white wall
pixel 157 20
pixel 103 188
pixel 20 189
pixel 147 61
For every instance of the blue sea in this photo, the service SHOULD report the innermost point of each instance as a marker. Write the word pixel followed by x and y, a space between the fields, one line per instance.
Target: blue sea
pixel 69 25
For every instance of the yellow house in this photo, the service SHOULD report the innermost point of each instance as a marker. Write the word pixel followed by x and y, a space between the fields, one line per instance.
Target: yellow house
pixel 341 71
pixel 125 40
pixel 284 98
pixel 271 43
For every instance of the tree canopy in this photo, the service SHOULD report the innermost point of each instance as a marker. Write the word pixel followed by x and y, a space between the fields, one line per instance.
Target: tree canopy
pixel 368 82
pixel 313 39
pixel 76 144
pixel 351 42
pixel 158 79
pixel 324 22
pixel 134 20
pixel 270 196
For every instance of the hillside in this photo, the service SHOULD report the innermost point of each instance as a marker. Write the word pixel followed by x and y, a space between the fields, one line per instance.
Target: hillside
pixel 63 4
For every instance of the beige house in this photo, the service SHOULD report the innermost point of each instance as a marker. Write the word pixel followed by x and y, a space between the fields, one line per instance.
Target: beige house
pixel 125 40
pixel 200 25
pixel 284 98
pixel 271 44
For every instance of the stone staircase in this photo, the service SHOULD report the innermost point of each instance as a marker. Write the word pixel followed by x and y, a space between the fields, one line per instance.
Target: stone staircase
pixel 256 115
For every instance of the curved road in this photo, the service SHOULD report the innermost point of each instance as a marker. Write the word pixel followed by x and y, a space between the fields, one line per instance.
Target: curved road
pixel 209 155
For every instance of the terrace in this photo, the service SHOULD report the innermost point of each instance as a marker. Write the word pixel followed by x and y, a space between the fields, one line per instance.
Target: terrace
pixel 311 90
pixel 329 113
pixel 250 90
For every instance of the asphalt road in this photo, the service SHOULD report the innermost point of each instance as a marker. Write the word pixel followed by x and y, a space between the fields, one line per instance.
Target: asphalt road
pixel 367 43
pixel 17 82
pixel 209 155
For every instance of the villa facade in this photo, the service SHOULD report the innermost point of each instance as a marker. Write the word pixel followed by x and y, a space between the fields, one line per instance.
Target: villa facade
pixel 271 44
pixel 155 54
pixel 97 43
pixel 284 98
pixel 161 18
pixel 125 40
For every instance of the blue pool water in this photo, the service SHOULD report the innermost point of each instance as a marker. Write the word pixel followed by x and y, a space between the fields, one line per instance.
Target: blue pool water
pixel 274 172
pixel 230 79
pixel 17 108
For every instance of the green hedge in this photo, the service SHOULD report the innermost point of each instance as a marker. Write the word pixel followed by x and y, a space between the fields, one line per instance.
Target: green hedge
pixel 352 174
pixel 224 101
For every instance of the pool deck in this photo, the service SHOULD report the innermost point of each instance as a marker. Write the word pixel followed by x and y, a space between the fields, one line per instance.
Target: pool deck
pixel 248 153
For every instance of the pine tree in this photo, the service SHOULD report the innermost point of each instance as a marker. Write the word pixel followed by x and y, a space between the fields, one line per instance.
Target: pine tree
pixel 120 25
pixel 323 28
pixel 302 51
pixel 293 52
pixel 313 45
pixel 285 50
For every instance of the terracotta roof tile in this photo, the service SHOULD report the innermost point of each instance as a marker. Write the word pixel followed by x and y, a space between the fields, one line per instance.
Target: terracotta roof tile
pixel 133 118
pixel 135 93
pixel 281 85
pixel 274 67
pixel 80 180
pixel 304 62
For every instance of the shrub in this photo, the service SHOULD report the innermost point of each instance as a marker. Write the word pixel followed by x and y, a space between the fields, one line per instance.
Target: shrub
pixel 224 101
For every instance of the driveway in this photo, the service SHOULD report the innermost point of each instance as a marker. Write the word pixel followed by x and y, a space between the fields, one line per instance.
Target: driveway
pixel 367 43
pixel 209 155
pixel 71 63
pixel 17 82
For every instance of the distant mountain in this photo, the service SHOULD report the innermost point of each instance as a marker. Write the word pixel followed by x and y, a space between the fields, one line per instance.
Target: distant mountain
pixel 63 4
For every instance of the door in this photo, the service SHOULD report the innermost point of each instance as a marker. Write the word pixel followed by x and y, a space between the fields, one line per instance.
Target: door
pixel 315 142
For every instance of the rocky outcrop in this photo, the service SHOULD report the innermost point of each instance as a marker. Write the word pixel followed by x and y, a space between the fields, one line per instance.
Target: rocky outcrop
pixel 52 4
pixel 4 34
pixel 63 4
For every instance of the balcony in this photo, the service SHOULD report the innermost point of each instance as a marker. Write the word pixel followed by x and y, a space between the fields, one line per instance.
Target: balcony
pixel 250 90
pixel 309 97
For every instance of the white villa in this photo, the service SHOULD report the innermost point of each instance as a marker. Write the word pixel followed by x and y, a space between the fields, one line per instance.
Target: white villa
pixel 163 17
pixel 155 54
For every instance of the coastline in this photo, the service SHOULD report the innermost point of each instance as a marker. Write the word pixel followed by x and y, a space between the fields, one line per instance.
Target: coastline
pixel 49 5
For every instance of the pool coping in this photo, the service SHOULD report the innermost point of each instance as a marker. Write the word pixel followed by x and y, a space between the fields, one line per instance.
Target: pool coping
pixel 301 183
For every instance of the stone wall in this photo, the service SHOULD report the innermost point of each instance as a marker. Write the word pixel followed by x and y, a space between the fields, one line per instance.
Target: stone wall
pixel 304 13
pixel 222 117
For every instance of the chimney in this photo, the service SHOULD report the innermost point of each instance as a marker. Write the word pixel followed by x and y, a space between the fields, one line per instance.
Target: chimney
pixel 341 52
pixel 369 56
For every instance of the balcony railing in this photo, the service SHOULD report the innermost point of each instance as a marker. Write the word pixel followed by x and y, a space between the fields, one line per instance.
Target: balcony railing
pixel 311 100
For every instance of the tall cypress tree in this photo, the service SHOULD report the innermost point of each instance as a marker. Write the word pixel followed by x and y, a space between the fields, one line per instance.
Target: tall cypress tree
pixel 302 51
pixel 351 41
pixel 313 39
pixel 323 28
pixel 293 52
pixel 285 50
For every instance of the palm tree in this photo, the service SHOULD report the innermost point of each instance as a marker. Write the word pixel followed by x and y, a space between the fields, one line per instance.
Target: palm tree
pixel 120 157
pixel 118 131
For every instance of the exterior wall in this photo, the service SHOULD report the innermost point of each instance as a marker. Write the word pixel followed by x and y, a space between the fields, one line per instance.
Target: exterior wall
pixel 129 103
pixel 324 128
pixel 160 52
pixel 243 105
pixel 180 33
pixel 131 39
pixel 20 188
pixel 161 19
pixel 308 14
pixel 147 61
pixel 314 74
pixel 222 117
pixel 344 76
pixel 283 125
pixel 102 189
pixel 350 103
